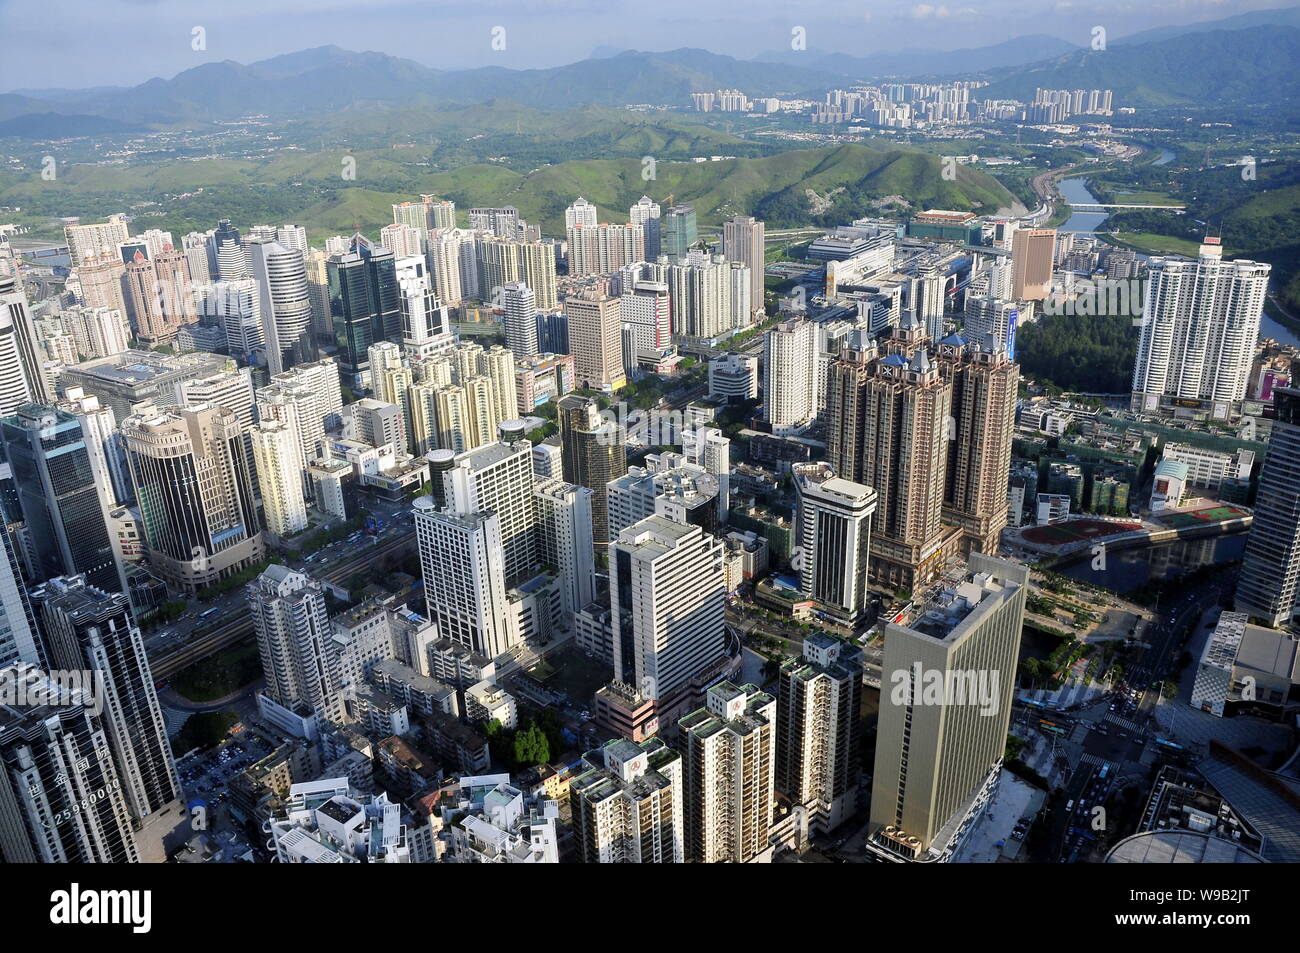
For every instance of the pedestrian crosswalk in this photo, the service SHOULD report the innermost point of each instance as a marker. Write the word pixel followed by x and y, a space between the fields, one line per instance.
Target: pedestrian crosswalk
pixel 1091 759
pixel 1124 723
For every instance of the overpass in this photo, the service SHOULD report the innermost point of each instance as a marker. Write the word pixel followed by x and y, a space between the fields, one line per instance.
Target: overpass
pixel 1100 207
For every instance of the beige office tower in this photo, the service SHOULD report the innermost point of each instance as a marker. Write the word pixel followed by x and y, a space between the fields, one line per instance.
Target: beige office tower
pixel 627 804
pixel 280 475
pixel 985 382
pixel 191 476
pixel 729 760
pixel 318 292
pixel 101 285
pixel 497 364
pixel 595 340
pixel 88 244
pixel 790 376
pixel 593 453
pixel 743 241
pixel 1031 263
pixel 947 681
pixel 445 266
pixel 818 723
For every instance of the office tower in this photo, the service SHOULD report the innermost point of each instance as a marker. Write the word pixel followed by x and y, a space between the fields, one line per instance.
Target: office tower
pixel 729 764
pixel 278 457
pixel 646 308
pixel 711 451
pixel 464 577
pixel 947 682
pixel 497 364
pixel 498 478
pixel 91 630
pixel 1270 568
pixel 281 276
pixel 89 243
pixel 604 249
pixel 580 213
pixel 232 264
pixel 594 454
pixel 196 530
pixel 833 533
pixel 18 638
pixel 595 340
pixel 365 303
pixel 789 376
pixel 627 804
pixel 667 600
pixel 564 538
pixel 59 791
pixel 985 382
pixel 679 231
pixel 292 236
pixel 519 319
pixel 293 631
pixel 377 423
pixel 1031 263
pixel 402 240
pixel 237 307
pixel 818 724
pixel 646 214
pixel 21 376
pixel 426 323
pixel 1200 324
pixel 58 489
pixel 743 241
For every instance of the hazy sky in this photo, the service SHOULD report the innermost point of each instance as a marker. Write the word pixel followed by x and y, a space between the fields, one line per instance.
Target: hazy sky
pixel 79 43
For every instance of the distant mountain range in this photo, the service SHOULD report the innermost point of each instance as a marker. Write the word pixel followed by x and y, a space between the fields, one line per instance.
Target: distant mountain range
pixel 1252 57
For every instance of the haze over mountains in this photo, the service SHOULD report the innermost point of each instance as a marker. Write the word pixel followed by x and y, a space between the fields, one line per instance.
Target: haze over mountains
pixel 1238 59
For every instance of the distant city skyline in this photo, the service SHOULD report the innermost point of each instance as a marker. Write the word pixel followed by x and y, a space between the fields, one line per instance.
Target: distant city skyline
pixel 127 42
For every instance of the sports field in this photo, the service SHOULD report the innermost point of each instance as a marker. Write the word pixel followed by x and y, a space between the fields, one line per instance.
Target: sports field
pixel 1058 534
pixel 1209 514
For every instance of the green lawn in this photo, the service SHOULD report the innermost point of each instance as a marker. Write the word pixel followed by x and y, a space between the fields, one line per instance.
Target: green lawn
pixel 1153 244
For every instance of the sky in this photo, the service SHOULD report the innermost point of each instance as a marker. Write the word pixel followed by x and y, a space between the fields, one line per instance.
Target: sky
pixel 83 43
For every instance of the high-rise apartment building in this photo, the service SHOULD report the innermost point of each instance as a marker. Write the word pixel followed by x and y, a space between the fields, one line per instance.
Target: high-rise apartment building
pixel 743 241
pixel 646 214
pixel 729 763
pixel 293 630
pixel 947 683
pixel 1199 327
pixel 519 319
pixel 628 804
pixel 790 375
pixel 818 724
pixel 604 249
pixel 564 538
pixel 646 308
pixel 278 458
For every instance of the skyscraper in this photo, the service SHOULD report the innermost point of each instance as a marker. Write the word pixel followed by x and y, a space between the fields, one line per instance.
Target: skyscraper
pixel 60 797
pixel 790 375
pixel 498 478
pixel 580 213
pixel 59 490
pixel 818 724
pixel 21 378
pixel 679 231
pixel 278 458
pixel 743 241
pixel 595 340
pixel 293 627
pixel 1200 324
pixel 593 454
pixel 1031 263
pixel 646 214
pixel 190 470
pixel 365 302
pixel 232 264
pixel 947 681
pixel 833 519
pixel 88 629
pixel 426 323
pixel 281 276
pixel 729 762
pixel 564 538
pixel 1270 568
pixel 18 638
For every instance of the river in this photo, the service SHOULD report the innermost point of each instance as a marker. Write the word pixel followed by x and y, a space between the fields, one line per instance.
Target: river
pixel 1076 190
pixel 1127 569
